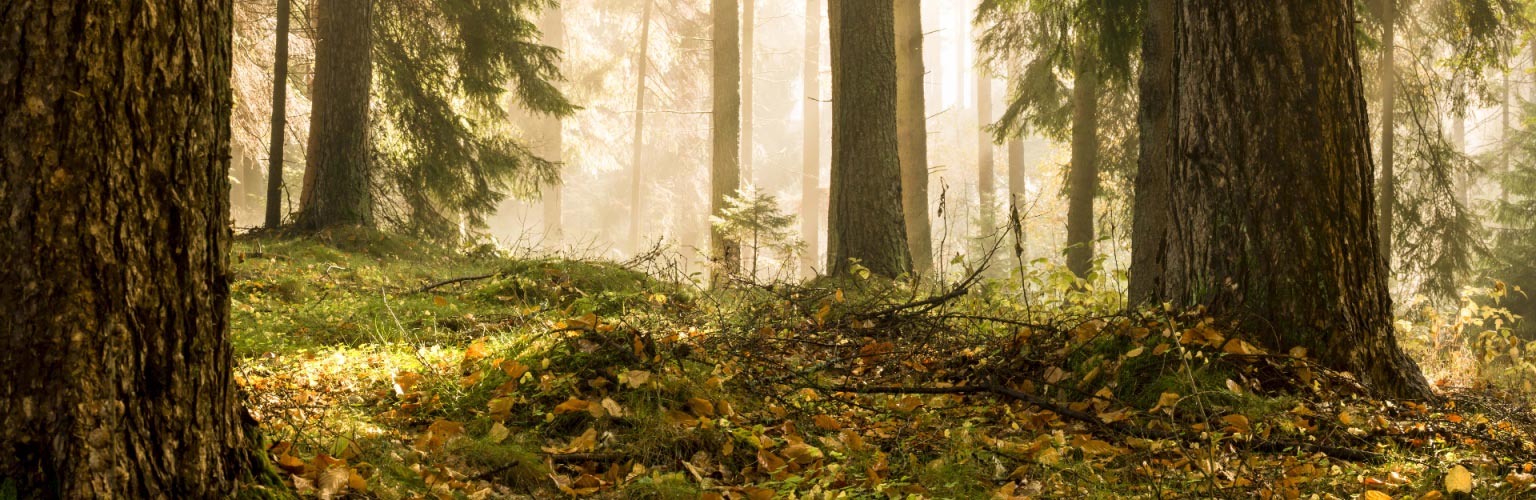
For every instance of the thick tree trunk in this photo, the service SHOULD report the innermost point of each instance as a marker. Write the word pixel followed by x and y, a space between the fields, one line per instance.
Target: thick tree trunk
pixel 865 219
pixel 986 168
pixel 274 212
pixel 810 167
pixel 642 67
pixel 912 132
pixel 725 132
pixel 1275 219
pixel 1083 180
pixel 338 174
pixel 1387 188
pixel 114 157
pixel 553 136
pixel 748 29
pixel 1149 214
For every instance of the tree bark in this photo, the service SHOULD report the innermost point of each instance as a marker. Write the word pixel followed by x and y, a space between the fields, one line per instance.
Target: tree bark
pixel 114 158
pixel 1149 214
pixel 274 213
pixel 554 136
pixel 725 132
pixel 986 168
pixel 1083 180
pixel 865 218
pixel 1274 216
pixel 810 169
pixel 912 132
pixel 748 29
pixel 1387 189
pixel 338 175
pixel 642 67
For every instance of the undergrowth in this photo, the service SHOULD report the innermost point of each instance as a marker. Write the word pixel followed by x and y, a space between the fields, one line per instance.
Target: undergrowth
pixel 377 377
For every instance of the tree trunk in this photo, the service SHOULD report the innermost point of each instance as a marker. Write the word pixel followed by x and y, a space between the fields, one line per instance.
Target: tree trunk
pixel 1459 141
pixel 274 214
pixel 810 169
pixel 1016 182
pixel 642 66
pixel 912 132
pixel 1276 221
pixel 748 27
pixel 1083 180
pixel 725 131
pixel 554 136
pixel 1387 189
pixel 1149 212
pixel 865 219
pixel 986 170
pixel 338 175
pixel 1504 139
pixel 114 157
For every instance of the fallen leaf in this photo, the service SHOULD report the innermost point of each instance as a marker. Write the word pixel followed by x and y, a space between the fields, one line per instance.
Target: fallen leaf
pixel 1458 480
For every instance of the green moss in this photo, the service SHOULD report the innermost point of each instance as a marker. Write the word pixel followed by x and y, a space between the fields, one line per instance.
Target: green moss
pixel 673 486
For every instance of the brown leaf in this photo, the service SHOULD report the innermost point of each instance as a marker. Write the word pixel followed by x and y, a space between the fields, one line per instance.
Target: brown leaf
pixel 571 405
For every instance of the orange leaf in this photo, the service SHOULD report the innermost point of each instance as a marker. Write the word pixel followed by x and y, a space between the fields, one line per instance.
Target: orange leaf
pixel 571 405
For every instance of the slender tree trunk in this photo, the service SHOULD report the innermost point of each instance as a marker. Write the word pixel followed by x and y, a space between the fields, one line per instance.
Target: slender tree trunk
pixel 912 132
pixel 642 67
pixel 554 136
pixel 1459 141
pixel 1083 180
pixel 1387 188
pixel 986 170
pixel 1016 182
pixel 865 220
pixel 279 119
pixel 1504 138
pixel 725 173
pixel 748 27
pixel 810 169
pixel 338 188
pixel 1276 223
pixel 1157 111
pixel 114 175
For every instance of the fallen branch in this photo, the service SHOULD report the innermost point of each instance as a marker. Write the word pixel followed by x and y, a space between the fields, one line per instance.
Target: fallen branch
pixel 451 281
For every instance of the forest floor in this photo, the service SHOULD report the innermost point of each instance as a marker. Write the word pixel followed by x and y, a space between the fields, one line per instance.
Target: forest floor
pixel 549 378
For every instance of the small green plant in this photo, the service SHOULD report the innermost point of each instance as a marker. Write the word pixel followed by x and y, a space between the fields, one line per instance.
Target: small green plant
pixel 753 217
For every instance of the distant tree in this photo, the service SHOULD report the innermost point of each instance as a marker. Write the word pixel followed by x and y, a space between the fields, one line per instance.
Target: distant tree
pixel 642 65
pixel 553 134
pixel 279 122
pixel 114 156
pixel 725 132
pixel 748 85
pixel 912 132
pixel 865 216
pixel 810 165
pixel 338 176
pixel 753 217
pixel 1277 223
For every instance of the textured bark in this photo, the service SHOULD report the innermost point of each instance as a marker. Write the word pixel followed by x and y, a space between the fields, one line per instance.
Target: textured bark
pixel 642 67
pixel 274 212
pixel 865 218
pixel 1274 216
pixel 553 135
pixel 338 176
pixel 986 168
pixel 1083 179
pixel 912 132
pixel 114 157
pixel 725 133
pixel 810 167
pixel 748 29
pixel 1149 212
pixel 1387 189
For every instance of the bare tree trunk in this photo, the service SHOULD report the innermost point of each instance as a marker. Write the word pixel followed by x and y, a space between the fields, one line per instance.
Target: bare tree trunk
pixel 642 67
pixel 1276 223
pixel 912 132
pixel 1504 138
pixel 1150 217
pixel 748 27
pixel 1083 180
pixel 279 119
pixel 114 175
pixel 810 169
pixel 1387 181
pixel 554 135
pixel 1459 140
pixel 725 173
pixel 986 168
pixel 341 191
pixel 865 220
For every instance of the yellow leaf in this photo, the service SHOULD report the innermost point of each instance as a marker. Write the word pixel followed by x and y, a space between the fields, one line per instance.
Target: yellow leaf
pixel 613 407
pixel 1234 387
pixel 1161 348
pixel 1458 480
pixel 501 409
pixel 498 432
pixel 476 351
pixel 1375 495
pixel 701 407
pixel 1236 423
pixel 571 405
pixel 1167 400
pixel 439 301
pixel 1134 352
pixel 514 369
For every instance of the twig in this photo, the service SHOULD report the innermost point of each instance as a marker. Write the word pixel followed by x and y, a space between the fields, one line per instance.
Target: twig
pixel 452 281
